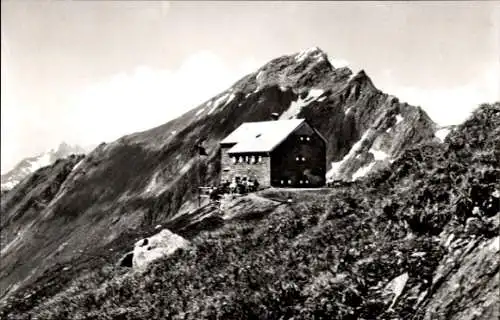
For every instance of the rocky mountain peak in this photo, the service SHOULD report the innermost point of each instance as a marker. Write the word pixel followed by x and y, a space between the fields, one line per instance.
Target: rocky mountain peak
pixel 63 146
pixel 361 77
pixel 308 68
pixel 313 53
pixel 64 149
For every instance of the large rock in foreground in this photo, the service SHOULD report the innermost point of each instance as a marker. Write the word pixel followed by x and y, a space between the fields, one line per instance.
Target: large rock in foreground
pixel 160 245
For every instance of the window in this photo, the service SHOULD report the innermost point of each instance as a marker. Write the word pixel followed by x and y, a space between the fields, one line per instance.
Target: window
pixel 260 159
pixel 289 181
pixel 307 181
pixel 282 182
pixel 304 138
pixel 233 159
pixel 301 182
pixel 254 159
pixel 297 158
pixel 303 159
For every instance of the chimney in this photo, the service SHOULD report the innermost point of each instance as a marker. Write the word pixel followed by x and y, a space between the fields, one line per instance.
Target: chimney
pixel 275 116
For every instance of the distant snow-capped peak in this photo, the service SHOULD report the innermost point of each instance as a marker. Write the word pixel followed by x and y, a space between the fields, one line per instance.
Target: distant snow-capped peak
pixel 28 165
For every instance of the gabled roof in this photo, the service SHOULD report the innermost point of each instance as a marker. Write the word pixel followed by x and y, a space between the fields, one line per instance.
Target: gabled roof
pixel 261 136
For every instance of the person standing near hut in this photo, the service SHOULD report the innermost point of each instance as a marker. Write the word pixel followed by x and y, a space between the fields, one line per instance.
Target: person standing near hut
pixel 255 185
pixel 233 186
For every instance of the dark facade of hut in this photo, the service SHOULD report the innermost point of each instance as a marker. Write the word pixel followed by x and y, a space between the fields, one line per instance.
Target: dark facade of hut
pixel 281 153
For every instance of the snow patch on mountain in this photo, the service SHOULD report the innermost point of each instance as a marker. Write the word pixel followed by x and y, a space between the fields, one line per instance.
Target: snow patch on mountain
pixel 9 185
pixel 259 75
pixel 361 172
pixel 153 186
pixel 77 165
pixel 396 286
pixel 296 106
pixel 313 52
pixel 185 168
pixel 379 155
pixel 399 118
pixel 213 109
pixel 315 93
pixel 441 134
pixel 355 148
pixel 43 161
pixel 336 166
pixel 231 97
pixel 221 99
pixel 259 80
pixel 29 165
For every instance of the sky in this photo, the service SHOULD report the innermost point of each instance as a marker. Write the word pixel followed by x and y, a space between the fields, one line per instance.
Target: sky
pixel 85 72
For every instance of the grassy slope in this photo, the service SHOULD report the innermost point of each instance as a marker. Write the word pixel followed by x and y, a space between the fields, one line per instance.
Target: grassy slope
pixel 327 255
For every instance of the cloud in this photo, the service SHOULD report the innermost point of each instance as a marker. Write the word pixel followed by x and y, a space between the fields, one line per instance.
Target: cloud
pixel 447 106
pixel 146 97
pixel 121 104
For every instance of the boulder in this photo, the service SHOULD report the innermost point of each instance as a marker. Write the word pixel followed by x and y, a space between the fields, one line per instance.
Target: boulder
pixel 159 245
